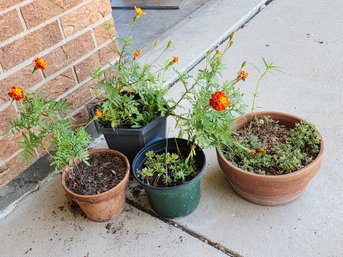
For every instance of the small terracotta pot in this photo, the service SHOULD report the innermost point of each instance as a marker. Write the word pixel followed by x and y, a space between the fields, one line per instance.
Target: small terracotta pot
pixel 269 189
pixel 104 206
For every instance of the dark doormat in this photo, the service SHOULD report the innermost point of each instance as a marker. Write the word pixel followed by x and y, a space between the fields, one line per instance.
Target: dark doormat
pixel 146 4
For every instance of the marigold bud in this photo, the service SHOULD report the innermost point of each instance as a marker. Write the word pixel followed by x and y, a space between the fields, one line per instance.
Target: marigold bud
pixel 243 75
pixel 139 12
pixel 176 59
pixel 137 54
pixel 169 44
pixel 99 113
pixel 262 150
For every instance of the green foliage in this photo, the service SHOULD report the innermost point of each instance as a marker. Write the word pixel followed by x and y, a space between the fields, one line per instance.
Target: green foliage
pixel 135 94
pixel 268 68
pixel 167 169
pixel 299 149
pixel 204 125
pixel 69 144
pixel 41 125
pixel 304 135
pixel 133 98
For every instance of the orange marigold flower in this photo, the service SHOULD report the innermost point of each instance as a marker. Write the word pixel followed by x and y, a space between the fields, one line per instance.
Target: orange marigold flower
pixel 139 11
pixel 40 63
pixel 176 59
pixel 243 74
pixel 262 150
pixel 219 101
pixel 99 113
pixel 137 53
pixel 16 93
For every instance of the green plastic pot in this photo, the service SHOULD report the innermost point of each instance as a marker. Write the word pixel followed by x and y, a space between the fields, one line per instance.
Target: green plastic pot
pixel 177 201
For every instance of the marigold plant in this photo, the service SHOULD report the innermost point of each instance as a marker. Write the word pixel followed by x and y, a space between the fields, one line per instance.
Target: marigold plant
pixel 42 127
pixel 213 105
pixel 209 121
pixel 135 94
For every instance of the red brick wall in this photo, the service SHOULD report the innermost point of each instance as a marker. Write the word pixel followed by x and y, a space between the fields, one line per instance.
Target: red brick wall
pixel 68 34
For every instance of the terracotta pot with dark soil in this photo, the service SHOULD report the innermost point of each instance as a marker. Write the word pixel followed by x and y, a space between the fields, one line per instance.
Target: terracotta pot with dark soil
pixel 270 189
pixel 99 189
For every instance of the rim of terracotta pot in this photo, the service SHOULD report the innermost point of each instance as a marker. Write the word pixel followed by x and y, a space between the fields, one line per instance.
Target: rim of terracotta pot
pixel 92 152
pixel 275 177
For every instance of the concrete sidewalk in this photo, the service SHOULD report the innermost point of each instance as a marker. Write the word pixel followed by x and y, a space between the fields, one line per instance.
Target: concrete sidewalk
pixel 304 39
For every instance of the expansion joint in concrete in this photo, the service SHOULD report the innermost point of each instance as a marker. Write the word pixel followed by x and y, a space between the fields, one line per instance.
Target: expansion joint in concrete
pixel 190 232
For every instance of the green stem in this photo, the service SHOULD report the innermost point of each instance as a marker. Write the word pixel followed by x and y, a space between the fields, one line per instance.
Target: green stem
pixel 241 146
pixel 184 94
pixel 255 92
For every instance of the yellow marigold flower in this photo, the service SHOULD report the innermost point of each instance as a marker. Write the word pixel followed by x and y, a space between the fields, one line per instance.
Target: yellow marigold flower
pixel 218 51
pixel 243 75
pixel 16 93
pixel 176 59
pixel 139 11
pixel 40 63
pixel 99 113
pixel 137 53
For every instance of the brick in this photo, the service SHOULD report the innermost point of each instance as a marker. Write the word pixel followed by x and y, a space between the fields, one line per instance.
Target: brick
pixel 96 60
pixel 69 53
pixel 107 54
pixel 85 16
pixel 13 168
pixel 29 45
pixel 22 78
pixel 3 168
pixel 10 25
pixel 59 84
pixel 9 145
pixel 81 118
pixel 7 115
pixel 84 68
pixel 42 10
pixel 111 73
pixel 4 4
pixel 101 35
pixel 82 94
pixel 43 150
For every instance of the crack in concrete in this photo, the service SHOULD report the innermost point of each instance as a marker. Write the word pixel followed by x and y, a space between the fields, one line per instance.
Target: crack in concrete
pixel 183 228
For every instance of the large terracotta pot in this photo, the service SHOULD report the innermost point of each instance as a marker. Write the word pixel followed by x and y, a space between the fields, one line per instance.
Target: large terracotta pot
pixel 104 206
pixel 269 189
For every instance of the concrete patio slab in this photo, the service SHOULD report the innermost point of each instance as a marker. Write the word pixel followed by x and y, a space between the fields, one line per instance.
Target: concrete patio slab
pixel 297 39
pixel 46 225
pixel 155 23
pixel 194 28
pixel 302 38
pixel 203 30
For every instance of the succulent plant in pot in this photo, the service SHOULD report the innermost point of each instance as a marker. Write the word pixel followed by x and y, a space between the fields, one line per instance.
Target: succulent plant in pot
pixel 273 156
pixel 95 180
pixel 132 104
pixel 170 170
